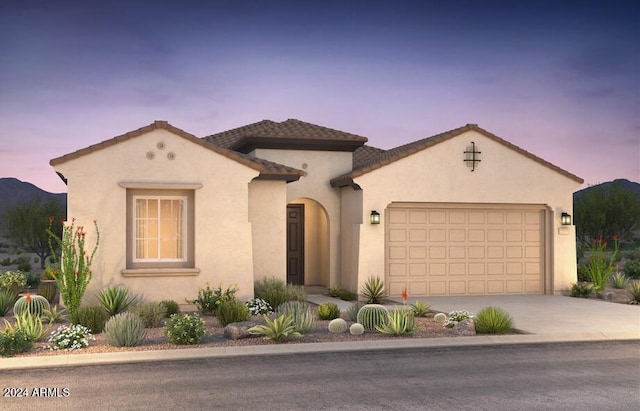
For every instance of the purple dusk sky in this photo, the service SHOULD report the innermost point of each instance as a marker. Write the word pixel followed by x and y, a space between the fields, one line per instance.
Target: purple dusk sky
pixel 559 79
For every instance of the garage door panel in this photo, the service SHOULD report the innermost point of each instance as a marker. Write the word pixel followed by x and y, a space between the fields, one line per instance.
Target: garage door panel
pixel 460 251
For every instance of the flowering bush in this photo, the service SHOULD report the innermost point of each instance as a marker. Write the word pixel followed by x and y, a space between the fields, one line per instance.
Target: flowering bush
pixel 70 337
pixel 210 298
pixel 185 329
pixel 73 271
pixel 456 316
pixel 600 264
pixel 258 306
pixel 13 281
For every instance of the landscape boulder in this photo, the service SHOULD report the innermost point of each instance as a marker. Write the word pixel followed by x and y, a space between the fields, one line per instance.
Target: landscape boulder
pixel 238 331
pixel 465 328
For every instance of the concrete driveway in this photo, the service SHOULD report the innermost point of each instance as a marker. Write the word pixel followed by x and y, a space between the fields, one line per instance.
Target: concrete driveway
pixel 551 315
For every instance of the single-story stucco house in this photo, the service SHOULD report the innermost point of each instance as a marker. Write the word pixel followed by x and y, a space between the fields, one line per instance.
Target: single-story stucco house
pixel 459 213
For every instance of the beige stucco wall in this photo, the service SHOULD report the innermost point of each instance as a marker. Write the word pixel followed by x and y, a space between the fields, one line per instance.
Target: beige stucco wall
pixel 223 233
pixel 320 168
pixel 439 175
pixel 352 219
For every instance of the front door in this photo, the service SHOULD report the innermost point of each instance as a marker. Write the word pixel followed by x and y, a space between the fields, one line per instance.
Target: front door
pixel 295 244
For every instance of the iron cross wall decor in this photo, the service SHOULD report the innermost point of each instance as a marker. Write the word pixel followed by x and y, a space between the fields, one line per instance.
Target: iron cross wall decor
pixel 472 156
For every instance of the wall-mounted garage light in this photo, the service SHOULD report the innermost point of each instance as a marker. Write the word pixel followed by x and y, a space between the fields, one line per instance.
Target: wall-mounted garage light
pixel 565 219
pixel 375 217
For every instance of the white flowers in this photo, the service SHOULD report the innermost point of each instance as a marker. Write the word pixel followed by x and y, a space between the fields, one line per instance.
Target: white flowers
pixel 70 337
pixel 456 316
pixel 258 306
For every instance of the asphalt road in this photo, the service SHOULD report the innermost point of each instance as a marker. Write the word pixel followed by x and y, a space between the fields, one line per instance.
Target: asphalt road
pixel 584 376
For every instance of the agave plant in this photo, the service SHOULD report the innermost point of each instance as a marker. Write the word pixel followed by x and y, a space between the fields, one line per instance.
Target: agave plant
pixel 374 291
pixel 117 299
pixel 400 322
pixel 276 330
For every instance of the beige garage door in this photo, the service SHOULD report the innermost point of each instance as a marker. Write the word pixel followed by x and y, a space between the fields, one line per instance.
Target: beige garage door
pixel 453 249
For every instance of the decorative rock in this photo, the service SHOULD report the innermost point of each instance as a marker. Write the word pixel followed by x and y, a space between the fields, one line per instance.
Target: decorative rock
pixel 465 328
pixel 238 331
pixel 614 295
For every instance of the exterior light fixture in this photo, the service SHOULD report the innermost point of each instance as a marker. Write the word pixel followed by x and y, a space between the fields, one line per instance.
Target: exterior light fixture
pixel 565 219
pixel 375 217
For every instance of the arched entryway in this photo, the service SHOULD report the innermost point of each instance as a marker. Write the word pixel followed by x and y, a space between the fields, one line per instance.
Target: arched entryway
pixel 307 243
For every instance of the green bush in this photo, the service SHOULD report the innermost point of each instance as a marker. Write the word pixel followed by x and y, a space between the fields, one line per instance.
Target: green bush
pixel 35 304
pixel 352 311
pixel 125 330
pixel 170 307
pixel 209 298
pixel 399 322
pixel 92 317
pixel 295 293
pixel 276 330
pixel 151 313
pixel 185 329
pixel 619 280
pixel 493 320
pixel 7 261
pixel 581 290
pixel 272 290
pixel 372 316
pixel 116 299
pixel 632 269
pixel 338 292
pixel 634 289
pixel 12 281
pixel 232 311
pixel 328 311
pixel 374 291
pixel 420 308
pixel 300 313
pixel 25 267
pixel 14 341
pixel 7 299
pixel 48 290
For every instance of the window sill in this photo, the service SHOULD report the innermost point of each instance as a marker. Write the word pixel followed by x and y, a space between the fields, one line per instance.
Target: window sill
pixel 160 272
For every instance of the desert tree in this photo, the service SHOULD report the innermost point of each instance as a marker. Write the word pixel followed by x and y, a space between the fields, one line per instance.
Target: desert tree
pixel 26 224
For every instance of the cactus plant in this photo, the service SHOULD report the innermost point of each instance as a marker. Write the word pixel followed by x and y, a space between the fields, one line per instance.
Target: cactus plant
pixel 337 326
pixel 372 316
pixel 328 311
pixel 35 304
pixel 47 290
pixel 440 317
pixel 356 329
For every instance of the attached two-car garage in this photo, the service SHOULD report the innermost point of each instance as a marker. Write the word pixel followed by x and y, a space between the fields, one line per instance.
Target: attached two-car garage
pixel 466 249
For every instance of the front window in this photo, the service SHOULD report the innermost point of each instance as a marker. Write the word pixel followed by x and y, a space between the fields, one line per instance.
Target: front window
pixel 160 224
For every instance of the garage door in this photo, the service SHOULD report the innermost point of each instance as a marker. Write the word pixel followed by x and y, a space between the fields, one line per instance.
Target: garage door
pixel 465 250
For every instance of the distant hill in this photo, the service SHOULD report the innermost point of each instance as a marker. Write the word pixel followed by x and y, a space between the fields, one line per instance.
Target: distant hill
pixel 14 191
pixel 626 184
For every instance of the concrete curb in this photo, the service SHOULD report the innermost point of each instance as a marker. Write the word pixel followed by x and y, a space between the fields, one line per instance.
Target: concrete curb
pixel 74 360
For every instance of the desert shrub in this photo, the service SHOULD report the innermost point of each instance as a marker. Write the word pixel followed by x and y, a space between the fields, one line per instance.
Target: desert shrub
pixel 619 280
pixel 352 310
pixel 170 307
pixel 440 318
pixel 7 261
pixel 125 330
pixel 54 316
pixel 93 317
pixel 258 306
pixel 25 267
pixel 601 263
pixel 337 326
pixel 7 299
pixel 209 298
pixel 338 292
pixel 276 330
pixel 35 304
pixel 14 341
pixel 300 312
pixel 272 290
pixel 116 299
pixel 328 311
pixel 493 320
pixel 374 291
pixel 295 293
pixel 356 329
pixel 581 290
pixel 185 329
pixel 232 311
pixel 151 313
pixel 31 325
pixel 632 269
pixel 372 316
pixel 420 308
pixel 582 273
pixel 399 322
pixel 48 290
pixel 455 317
pixel 634 289
pixel 70 337
pixel 12 281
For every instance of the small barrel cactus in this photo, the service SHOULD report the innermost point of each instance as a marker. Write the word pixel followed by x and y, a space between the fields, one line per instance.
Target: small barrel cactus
pixel 372 316
pixel 35 304
pixel 47 290
pixel 337 326
pixel 356 329
pixel 440 317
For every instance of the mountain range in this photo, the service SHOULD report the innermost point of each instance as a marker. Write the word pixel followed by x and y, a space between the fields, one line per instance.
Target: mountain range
pixel 14 191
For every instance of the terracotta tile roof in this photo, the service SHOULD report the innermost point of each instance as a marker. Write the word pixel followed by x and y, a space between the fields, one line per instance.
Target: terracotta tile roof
pixel 290 132
pixel 267 169
pixel 383 158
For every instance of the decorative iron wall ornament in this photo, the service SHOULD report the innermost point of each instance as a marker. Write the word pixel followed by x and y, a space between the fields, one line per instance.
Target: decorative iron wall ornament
pixel 472 156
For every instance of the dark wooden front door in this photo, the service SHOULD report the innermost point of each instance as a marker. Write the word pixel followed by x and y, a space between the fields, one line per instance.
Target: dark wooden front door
pixel 295 244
